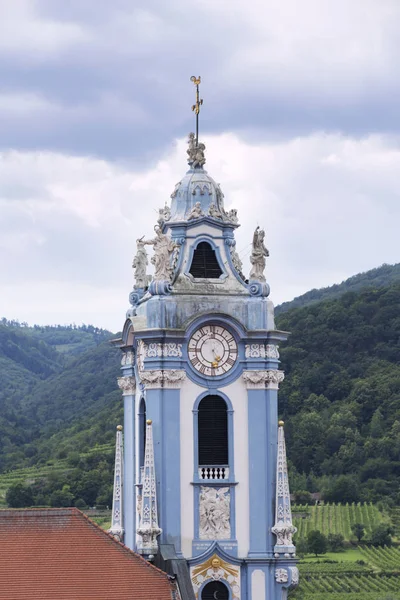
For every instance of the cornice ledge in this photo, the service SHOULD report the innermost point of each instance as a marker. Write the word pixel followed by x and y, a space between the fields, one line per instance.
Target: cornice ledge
pixel 127 385
pixel 265 379
pixel 170 379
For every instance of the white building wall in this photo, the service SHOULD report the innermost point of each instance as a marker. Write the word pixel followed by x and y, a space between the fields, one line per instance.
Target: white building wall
pixel 237 393
pixel 258 585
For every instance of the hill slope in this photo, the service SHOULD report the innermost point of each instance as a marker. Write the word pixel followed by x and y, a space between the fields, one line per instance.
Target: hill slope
pixel 48 384
pixel 380 277
pixel 341 394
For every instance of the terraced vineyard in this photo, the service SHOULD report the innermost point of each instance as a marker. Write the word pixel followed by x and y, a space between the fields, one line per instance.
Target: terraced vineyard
pixel 348 584
pixel 29 475
pixel 362 573
pixel 385 559
pixel 335 518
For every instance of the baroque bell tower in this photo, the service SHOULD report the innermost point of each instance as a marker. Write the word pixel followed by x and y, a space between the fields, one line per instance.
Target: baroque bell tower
pixel 205 491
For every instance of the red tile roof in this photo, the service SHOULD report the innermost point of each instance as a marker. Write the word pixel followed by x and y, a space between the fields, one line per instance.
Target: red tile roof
pixel 60 554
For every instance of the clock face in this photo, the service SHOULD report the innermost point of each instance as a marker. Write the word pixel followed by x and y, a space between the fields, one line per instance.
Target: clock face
pixel 212 350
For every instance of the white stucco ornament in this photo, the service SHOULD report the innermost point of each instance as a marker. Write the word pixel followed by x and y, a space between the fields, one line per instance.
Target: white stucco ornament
pixel 127 385
pixel 163 247
pixel 214 507
pixel 281 576
pixel 262 351
pixel 257 257
pixel 172 378
pixel 166 350
pixel 127 359
pixel 214 212
pixel 164 214
pixel 196 212
pixel 139 264
pixel 216 569
pixel 294 576
pixel 263 379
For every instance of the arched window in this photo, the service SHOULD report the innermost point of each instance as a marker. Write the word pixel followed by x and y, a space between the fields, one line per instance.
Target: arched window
pixel 213 431
pixel 204 263
pixel 215 590
pixel 142 431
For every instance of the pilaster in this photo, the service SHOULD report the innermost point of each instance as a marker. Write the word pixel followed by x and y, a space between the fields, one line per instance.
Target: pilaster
pixel 162 392
pixel 128 386
pixel 262 394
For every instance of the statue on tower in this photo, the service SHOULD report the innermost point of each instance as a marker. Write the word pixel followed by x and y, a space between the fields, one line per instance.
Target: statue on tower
pixel 195 152
pixel 163 247
pixel 258 254
pixel 140 263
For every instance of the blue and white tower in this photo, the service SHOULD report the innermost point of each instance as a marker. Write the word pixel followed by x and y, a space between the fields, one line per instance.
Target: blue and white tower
pixel 201 361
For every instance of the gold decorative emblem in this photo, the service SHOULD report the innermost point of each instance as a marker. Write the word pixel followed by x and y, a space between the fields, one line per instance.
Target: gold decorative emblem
pixel 216 569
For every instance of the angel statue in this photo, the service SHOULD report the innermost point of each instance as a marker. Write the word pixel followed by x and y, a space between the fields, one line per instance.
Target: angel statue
pixel 195 152
pixel 140 263
pixel 163 247
pixel 191 151
pixel 199 158
pixel 258 254
pixel 196 212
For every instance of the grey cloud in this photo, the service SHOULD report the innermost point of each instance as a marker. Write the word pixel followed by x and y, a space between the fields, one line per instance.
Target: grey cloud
pixel 146 68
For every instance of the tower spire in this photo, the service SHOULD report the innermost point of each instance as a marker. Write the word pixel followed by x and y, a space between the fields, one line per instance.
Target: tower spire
pixel 148 528
pixel 283 528
pixel 117 525
pixel 196 106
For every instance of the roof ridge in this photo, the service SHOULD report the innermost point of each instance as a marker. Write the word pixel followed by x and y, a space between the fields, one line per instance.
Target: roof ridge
pixel 122 545
pixel 25 529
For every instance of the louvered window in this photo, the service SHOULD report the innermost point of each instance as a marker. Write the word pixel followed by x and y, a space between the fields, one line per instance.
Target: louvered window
pixel 215 589
pixel 205 264
pixel 213 431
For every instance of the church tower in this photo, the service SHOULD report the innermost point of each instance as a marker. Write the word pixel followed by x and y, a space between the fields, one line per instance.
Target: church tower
pixel 204 474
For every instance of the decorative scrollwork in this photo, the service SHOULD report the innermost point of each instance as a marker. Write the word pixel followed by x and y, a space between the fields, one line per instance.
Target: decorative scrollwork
pixel 262 379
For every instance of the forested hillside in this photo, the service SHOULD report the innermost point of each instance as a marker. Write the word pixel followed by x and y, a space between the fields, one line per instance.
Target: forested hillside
pixel 49 380
pixel 341 395
pixel 375 278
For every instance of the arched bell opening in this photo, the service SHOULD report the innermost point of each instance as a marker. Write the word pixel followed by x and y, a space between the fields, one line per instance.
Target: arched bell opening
pixel 215 590
pixel 205 264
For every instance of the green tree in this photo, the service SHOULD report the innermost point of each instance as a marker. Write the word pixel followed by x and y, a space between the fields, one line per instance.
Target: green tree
pixel 301 547
pixel 335 542
pixel 358 530
pixel 302 497
pixel 19 496
pixel 316 542
pixel 343 489
pixel 382 535
pixel 62 497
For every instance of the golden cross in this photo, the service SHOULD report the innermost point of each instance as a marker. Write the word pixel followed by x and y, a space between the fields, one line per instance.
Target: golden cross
pixel 196 107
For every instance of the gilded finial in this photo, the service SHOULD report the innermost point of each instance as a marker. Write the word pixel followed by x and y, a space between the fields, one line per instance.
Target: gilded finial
pixel 149 422
pixel 281 423
pixel 119 427
pixel 196 106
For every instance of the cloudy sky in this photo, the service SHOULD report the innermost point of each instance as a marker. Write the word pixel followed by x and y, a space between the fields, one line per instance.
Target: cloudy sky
pixel 301 121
